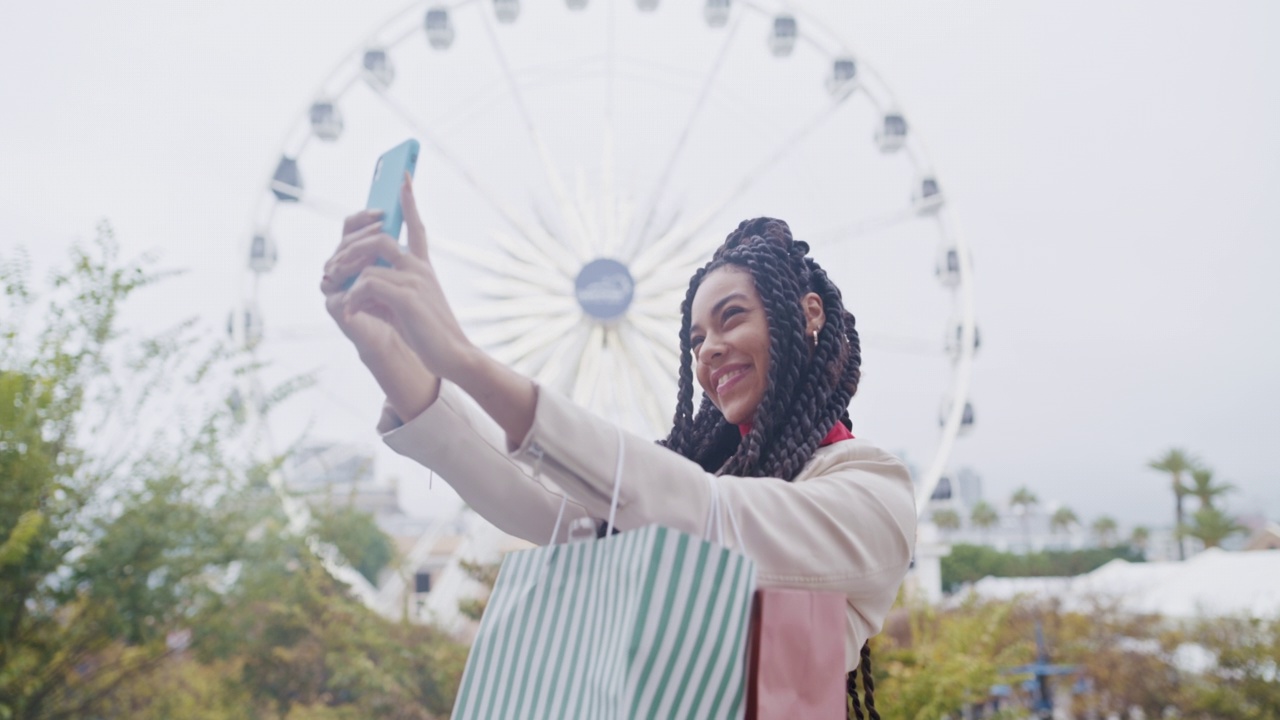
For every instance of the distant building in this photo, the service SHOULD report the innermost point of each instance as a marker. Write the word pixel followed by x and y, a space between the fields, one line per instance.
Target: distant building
pixel 429 582
pixel 1264 538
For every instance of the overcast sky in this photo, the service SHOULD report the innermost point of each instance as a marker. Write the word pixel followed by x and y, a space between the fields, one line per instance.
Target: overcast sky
pixel 1114 166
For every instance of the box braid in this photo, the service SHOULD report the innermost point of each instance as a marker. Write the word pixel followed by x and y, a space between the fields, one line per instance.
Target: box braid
pixel 808 389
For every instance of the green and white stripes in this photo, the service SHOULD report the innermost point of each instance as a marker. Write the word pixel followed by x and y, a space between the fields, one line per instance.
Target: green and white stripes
pixel 647 624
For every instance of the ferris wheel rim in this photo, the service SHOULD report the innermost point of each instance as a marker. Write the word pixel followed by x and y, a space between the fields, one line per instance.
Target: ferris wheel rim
pixel 346 74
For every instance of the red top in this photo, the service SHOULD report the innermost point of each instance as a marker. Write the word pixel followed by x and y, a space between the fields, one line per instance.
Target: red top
pixel 838 432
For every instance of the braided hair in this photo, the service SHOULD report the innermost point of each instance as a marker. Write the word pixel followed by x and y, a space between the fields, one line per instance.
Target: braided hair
pixel 808 387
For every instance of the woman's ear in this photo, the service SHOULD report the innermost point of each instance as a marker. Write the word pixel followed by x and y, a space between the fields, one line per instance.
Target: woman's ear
pixel 814 315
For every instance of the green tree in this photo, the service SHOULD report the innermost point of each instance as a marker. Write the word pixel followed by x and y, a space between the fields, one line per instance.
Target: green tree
pixel 357 536
pixel 1177 462
pixel 1021 502
pixel 1140 538
pixel 1204 489
pixel 946 519
pixel 1104 530
pixel 1062 520
pixel 1211 526
pixel 146 567
pixel 984 516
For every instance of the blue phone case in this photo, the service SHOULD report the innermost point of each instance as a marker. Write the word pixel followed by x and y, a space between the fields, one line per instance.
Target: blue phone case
pixel 384 191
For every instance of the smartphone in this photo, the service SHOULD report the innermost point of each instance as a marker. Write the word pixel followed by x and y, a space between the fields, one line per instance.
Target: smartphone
pixel 384 191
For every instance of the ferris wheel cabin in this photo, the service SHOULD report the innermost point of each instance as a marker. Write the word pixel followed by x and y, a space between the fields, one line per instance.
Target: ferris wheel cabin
pixel 783 38
pixel 716 13
pixel 326 120
pixel 286 182
pixel 892 133
pixel 844 74
pixel 506 10
pixel 439 28
pixel 928 196
pixel 378 71
pixel 262 253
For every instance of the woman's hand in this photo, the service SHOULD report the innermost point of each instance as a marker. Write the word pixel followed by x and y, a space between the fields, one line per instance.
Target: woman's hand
pixel 409 386
pixel 406 296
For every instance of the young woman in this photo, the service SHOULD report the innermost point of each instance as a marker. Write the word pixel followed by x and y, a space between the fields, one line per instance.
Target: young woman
pixel 767 338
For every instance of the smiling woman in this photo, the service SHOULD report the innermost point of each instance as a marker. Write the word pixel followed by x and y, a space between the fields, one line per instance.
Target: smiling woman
pixel 769 447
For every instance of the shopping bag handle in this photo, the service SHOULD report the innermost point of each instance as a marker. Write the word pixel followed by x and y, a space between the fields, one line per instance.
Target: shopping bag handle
pixel 713 516
pixel 613 504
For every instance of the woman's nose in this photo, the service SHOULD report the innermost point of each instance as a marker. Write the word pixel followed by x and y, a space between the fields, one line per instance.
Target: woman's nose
pixel 712 347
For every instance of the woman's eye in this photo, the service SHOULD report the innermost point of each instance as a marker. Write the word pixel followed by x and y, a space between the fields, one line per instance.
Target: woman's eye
pixel 730 313
pixel 695 342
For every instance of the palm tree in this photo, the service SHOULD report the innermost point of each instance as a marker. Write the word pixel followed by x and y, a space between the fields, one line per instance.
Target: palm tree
pixel 1176 462
pixel 1139 538
pixel 946 519
pixel 1062 520
pixel 1022 501
pixel 1204 490
pixel 1211 526
pixel 984 517
pixel 1104 529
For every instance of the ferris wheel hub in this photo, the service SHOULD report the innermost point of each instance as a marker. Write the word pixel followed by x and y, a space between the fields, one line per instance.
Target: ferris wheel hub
pixel 604 289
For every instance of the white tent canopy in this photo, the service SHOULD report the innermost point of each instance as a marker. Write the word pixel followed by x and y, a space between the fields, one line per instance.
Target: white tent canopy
pixel 1213 583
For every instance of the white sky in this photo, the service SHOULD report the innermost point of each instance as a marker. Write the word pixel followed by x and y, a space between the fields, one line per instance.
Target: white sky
pixel 1113 165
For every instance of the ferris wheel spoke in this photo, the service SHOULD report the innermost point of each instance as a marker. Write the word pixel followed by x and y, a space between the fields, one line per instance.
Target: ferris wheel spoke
pixel 684 239
pixel 533 341
pixel 511 309
pixel 662 303
pixel 632 374
pixel 486 194
pixel 579 240
pixel 538 249
pixel 656 193
pixel 863 228
pixel 653 372
pixel 487 261
pixel 508 331
pixel 507 288
pixel 587 377
pixel 551 371
pixel 658 334
pixel 318 205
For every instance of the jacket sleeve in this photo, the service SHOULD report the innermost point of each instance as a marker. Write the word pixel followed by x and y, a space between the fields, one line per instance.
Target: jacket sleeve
pixel 849 527
pixel 459 442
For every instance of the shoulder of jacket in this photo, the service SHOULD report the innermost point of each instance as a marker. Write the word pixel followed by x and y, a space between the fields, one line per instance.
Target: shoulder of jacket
pixel 855 454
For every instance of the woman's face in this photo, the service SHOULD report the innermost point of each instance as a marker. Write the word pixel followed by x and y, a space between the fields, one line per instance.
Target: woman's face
pixel 729 336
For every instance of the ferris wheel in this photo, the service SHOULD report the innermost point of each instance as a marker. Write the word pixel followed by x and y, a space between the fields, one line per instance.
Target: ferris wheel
pixel 579 161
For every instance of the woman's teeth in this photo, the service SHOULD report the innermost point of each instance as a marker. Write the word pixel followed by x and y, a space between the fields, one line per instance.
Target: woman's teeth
pixel 728 378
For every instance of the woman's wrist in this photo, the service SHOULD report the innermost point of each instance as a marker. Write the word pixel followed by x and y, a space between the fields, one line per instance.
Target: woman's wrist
pixel 409 386
pixel 505 395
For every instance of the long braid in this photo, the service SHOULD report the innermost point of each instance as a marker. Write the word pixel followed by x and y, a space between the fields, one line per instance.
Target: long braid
pixel 868 684
pixel 808 390
pixel 851 686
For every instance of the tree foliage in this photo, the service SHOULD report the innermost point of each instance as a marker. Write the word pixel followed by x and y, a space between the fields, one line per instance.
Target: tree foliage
pixel 970 563
pixel 146 568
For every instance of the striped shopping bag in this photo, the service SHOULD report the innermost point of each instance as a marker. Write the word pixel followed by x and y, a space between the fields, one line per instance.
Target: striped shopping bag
pixel 647 624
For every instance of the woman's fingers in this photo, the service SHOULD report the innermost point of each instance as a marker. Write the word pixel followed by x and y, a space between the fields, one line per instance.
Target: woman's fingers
pixel 356 221
pixel 358 255
pixel 376 287
pixel 417 231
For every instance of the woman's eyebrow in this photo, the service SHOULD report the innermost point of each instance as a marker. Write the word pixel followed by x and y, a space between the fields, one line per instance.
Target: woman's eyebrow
pixel 715 309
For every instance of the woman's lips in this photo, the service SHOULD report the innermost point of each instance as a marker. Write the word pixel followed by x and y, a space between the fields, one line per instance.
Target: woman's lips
pixel 731 379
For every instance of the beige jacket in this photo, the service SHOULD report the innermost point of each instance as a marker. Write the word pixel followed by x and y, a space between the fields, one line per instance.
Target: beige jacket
pixel 847 522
